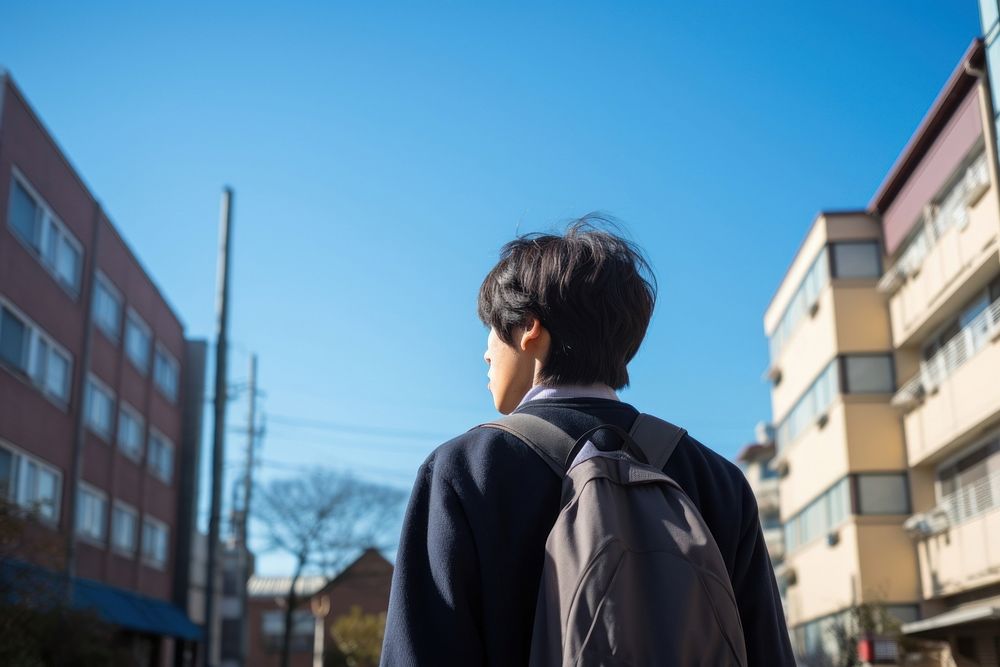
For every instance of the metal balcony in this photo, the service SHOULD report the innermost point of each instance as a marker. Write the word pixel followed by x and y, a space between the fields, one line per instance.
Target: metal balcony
pixel 972 338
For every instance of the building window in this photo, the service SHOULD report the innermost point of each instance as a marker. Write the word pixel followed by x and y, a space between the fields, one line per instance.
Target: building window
pixel 91 514
pixel 13 340
pixel 37 226
pixel 802 301
pixel 820 516
pixel 30 483
pixel 962 337
pixel 856 259
pixel 814 402
pixel 28 350
pixel 868 374
pixel 8 474
pixel 273 629
pixel 883 493
pixel 971 485
pixel 138 341
pixel 161 456
pixel 131 431
pixel 99 408
pixel 154 542
pixel 124 528
pixel 165 372
pixel 107 307
pixel 848 374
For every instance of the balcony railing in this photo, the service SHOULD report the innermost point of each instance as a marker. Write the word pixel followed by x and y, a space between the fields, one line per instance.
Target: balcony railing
pixel 972 500
pixel 957 507
pixel 973 337
pixel 937 219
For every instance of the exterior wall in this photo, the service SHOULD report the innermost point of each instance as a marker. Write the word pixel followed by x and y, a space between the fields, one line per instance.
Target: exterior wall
pixel 872 560
pixel 826 577
pixel 805 355
pixel 850 316
pixel 40 427
pixel 961 132
pixel 875 441
pixel 946 276
pixel 889 572
pixel 365 584
pixel 945 412
pixel 815 461
pixel 865 558
pixel 259 654
pixel 861 319
pixel 811 245
pixel 965 557
pixel 959 408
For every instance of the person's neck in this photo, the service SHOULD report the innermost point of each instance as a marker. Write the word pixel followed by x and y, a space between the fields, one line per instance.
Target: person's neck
pixel 597 390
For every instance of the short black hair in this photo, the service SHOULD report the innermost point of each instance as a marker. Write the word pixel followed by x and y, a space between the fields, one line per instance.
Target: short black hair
pixel 592 289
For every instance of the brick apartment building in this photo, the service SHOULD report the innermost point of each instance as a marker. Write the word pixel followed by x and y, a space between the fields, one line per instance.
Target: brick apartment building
pixel 364 583
pixel 94 367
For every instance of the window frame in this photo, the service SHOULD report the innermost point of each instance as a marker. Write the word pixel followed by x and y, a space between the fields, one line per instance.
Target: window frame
pixel 133 318
pixel 153 460
pixel 121 506
pixel 845 385
pixel 174 364
pixel 110 436
pixel 832 254
pixel 34 336
pixel 85 488
pixel 101 281
pixel 857 499
pixel 17 493
pixel 46 221
pixel 144 556
pixel 133 413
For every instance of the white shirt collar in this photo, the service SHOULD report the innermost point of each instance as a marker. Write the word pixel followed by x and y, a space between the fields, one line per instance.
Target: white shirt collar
pixel 598 390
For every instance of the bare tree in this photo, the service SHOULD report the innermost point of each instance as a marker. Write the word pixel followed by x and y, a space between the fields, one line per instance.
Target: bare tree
pixel 321 519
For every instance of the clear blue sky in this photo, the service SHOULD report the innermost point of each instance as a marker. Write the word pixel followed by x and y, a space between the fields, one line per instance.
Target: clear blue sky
pixel 382 152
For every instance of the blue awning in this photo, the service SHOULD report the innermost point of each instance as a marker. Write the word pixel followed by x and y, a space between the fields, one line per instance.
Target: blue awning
pixel 117 606
pixel 133 611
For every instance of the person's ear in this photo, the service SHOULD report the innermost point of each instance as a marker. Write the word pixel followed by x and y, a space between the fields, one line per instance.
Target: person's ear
pixel 532 333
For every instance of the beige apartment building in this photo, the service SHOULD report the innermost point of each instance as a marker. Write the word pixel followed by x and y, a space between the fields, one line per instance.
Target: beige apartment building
pixel 885 368
pixel 755 461
pixel 839 444
pixel 941 227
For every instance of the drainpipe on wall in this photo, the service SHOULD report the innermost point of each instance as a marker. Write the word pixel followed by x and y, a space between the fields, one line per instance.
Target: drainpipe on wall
pixel 80 391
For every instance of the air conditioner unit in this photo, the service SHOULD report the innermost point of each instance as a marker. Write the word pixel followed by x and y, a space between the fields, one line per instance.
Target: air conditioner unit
pixel 908 398
pixel 892 280
pixel 927 524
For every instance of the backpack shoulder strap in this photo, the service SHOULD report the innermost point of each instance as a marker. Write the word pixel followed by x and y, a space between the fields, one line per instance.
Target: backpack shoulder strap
pixel 548 440
pixel 657 438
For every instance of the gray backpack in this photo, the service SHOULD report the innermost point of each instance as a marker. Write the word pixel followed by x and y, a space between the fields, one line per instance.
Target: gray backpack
pixel 632 574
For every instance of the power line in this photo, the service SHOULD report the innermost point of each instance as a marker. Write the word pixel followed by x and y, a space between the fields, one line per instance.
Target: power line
pixel 390 447
pixel 363 468
pixel 342 427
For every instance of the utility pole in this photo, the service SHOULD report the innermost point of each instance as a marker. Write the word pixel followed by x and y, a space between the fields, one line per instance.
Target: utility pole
pixel 244 516
pixel 219 431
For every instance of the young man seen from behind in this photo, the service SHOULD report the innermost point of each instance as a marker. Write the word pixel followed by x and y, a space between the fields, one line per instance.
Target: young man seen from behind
pixel 566 314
